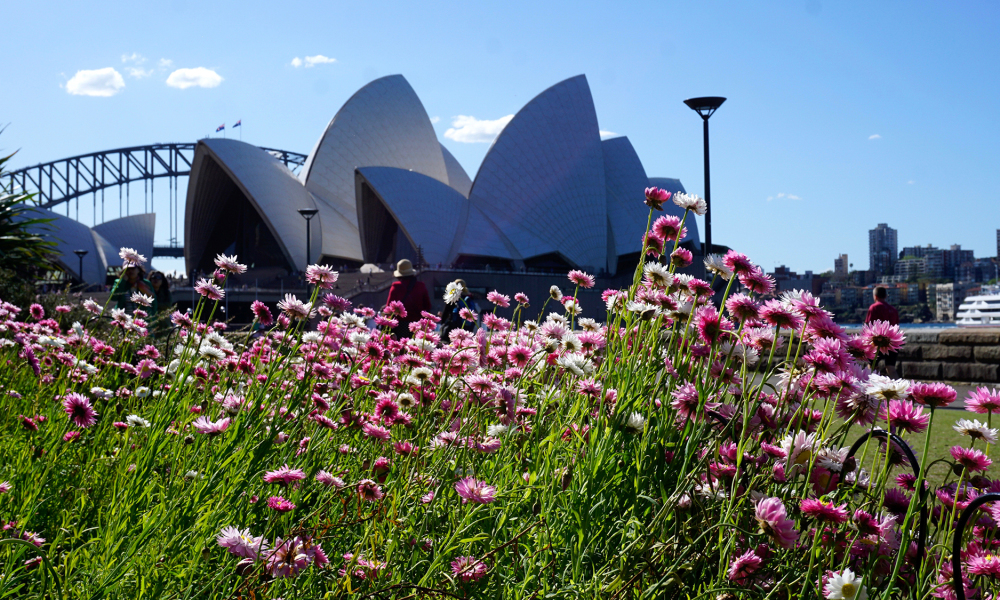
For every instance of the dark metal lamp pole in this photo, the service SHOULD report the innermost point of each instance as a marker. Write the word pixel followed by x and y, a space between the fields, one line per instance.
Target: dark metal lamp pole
pixel 705 107
pixel 81 254
pixel 308 213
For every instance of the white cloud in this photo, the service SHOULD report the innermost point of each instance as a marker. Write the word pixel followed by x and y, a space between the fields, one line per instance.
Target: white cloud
pixel 165 63
pixel 100 82
pixel 910 182
pixel 138 72
pixel 471 130
pixel 312 61
pixel 780 195
pixel 875 137
pixel 435 119
pixel 135 57
pixel 199 76
pixel 607 134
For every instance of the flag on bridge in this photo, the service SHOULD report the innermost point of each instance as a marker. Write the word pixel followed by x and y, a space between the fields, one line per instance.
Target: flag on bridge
pixel 220 128
pixel 237 123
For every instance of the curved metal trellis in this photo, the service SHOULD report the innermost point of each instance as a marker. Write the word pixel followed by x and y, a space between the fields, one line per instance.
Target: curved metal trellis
pixel 956 548
pixel 885 435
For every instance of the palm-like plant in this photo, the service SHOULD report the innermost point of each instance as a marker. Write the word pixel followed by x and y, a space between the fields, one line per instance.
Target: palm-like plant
pixel 21 250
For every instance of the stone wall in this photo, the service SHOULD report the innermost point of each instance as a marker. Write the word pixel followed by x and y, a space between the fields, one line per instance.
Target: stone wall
pixel 966 355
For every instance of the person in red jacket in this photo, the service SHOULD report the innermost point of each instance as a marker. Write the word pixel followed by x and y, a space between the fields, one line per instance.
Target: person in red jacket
pixel 412 293
pixel 883 311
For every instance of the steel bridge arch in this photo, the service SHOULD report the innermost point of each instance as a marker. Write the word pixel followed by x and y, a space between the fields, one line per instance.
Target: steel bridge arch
pixel 62 181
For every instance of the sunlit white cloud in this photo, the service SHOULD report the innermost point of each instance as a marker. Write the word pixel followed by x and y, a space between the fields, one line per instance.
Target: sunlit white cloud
pixel 471 130
pixel 910 182
pixel 875 137
pixel 197 77
pixel 138 72
pixel 312 61
pixel 165 63
pixel 135 57
pixel 435 119
pixel 607 134
pixel 99 82
pixel 783 195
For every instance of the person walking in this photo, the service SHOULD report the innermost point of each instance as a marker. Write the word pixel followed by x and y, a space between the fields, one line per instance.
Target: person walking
pixel 412 293
pixel 161 290
pixel 881 310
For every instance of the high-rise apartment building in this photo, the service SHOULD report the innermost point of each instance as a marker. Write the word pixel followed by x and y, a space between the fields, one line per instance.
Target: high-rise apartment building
pixel 998 244
pixel 840 266
pixel 881 249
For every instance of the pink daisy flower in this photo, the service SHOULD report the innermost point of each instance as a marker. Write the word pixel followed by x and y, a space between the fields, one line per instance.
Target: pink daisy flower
pixel 322 275
pixel 369 491
pixel 711 325
pixel 775 313
pixel 229 264
pixel 773 519
pixel 984 564
pixel 655 197
pixel 209 290
pixel 280 504
pixel 210 428
pixel 681 258
pixel 970 458
pixel 824 511
pixel 903 414
pixel 5 487
pixel 37 312
pixel 499 299
pixel 467 568
pixel 473 490
pixel 375 431
pixel 756 281
pixel 468 314
pixel 241 542
pixel 668 228
pixel 933 394
pixel 737 262
pixel 744 566
pixel 295 308
pixel 336 303
pixel 284 475
pixel 581 279
pixel 654 245
pixel 79 410
pixel 884 337
pixel 983 401
pixel 742 307
pixel 519 355
pixel 329 480
pixel 131 258
pixel 71 436
pixel 521 298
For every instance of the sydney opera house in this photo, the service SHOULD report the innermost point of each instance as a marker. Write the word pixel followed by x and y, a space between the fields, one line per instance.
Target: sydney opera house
pixel 550 193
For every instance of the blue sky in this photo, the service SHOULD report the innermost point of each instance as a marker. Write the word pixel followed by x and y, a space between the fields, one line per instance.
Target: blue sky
pixel 841 115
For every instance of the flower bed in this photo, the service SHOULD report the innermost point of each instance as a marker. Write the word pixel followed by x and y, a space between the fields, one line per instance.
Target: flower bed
pixel 555 457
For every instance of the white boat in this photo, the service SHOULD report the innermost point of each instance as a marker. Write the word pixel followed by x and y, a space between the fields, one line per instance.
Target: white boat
pixel 981 310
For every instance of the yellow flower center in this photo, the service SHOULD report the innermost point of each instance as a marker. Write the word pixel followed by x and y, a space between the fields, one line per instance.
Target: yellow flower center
pixel 848 590
pixel 803 457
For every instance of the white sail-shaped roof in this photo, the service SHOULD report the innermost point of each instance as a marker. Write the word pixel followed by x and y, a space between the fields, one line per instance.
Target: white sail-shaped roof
pixel 71 235
pixel 382 125
pixel 229 177
pixel 626 180
pixel 134 231
pixel 457 177
pixel 542 180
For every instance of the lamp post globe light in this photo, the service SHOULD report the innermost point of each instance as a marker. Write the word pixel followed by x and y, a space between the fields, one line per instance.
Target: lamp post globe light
pixel 308 214
pixel 81 254
pixel 705 107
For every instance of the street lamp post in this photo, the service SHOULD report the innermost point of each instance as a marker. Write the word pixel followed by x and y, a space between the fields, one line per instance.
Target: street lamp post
pixel 308 214
pixel 705 107
pixel 81 254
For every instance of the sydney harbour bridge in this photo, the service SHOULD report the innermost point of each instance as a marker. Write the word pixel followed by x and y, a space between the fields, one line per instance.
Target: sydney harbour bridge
pixel 98 177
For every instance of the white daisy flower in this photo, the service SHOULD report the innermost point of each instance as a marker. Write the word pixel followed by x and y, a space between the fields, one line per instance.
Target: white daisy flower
pixel 845 586
pixel 976 430
pixel 635 423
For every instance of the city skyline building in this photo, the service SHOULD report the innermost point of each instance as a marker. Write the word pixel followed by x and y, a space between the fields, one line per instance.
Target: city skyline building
pixel 841 266
pixel 881 249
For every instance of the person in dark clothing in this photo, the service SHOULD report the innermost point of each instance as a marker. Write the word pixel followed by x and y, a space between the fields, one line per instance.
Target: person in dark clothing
pixel 883 311
pixel 452 319
pixel 133 279
pixel 412 293
pixel 161 289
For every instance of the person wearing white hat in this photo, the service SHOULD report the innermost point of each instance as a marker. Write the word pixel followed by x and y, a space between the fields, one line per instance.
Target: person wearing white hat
pixel 412 293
